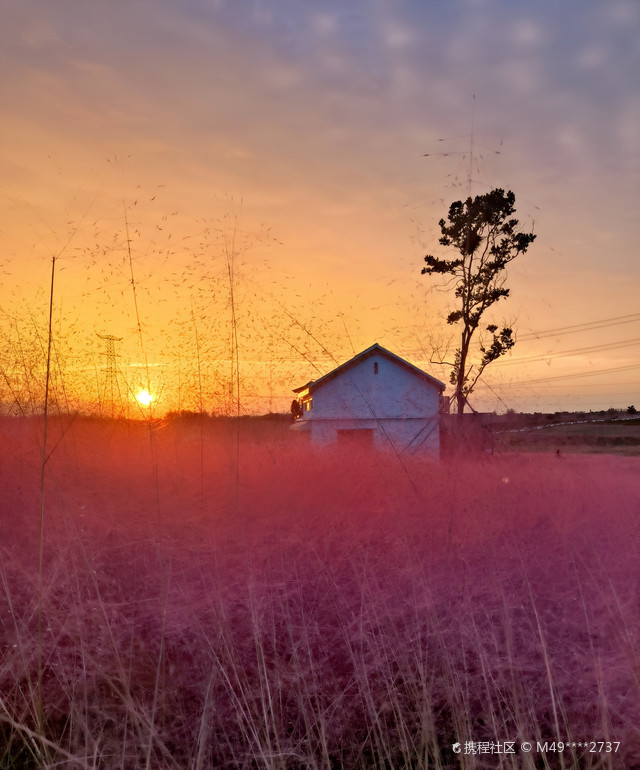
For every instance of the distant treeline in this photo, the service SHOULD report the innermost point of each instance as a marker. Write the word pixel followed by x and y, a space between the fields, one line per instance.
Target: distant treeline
pixel 512 419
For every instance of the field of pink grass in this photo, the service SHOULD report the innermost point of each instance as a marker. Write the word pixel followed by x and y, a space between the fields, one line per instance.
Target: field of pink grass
pixel 215 600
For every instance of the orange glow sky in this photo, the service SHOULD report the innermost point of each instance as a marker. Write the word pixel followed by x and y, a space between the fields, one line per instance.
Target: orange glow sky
pixel 285 141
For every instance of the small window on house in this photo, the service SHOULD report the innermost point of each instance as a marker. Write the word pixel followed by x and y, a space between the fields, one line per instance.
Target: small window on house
pixel 308 405
pixel 375 367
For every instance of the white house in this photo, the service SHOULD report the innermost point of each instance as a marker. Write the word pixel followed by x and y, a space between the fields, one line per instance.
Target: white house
pixel 376 398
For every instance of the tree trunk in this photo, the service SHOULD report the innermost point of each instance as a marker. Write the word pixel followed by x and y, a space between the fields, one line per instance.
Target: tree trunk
pixel 460 379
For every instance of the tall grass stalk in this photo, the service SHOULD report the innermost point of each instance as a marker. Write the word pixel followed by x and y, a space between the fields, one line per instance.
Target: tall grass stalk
pixel 559 734
pixel 200 404
pixel 43 463
pixel 597 662
pixel 160 682
pixel 230 253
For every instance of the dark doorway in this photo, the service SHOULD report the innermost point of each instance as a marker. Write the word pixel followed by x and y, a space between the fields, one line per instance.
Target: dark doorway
pixel 356 437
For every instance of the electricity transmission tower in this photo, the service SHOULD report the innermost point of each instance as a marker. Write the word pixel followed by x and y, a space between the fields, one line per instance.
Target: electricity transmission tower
pixel 112 386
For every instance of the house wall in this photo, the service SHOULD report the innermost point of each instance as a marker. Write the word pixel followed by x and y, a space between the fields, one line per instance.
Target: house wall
pixel 394 392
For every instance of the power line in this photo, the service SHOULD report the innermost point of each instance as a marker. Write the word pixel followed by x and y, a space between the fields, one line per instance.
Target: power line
pixel 628 389
pixel 575 375
pixel 631 386
pixel 583 327
pixel 572 352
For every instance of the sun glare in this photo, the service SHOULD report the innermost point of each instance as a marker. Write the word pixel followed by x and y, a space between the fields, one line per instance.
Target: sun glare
pixel 144 397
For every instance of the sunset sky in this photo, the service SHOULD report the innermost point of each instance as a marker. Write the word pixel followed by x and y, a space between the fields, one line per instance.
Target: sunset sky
pixel 279 169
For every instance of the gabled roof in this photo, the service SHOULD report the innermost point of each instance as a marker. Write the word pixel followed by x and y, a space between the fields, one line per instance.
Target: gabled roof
pixel 375 349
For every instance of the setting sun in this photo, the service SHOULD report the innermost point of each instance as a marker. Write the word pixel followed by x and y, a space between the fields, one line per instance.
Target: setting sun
pixel 144 397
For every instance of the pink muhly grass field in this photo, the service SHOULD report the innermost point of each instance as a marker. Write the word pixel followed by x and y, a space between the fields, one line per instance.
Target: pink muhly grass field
pixel 206 603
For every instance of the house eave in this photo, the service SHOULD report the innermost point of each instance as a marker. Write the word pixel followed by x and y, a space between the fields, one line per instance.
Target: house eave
pixel 304 387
